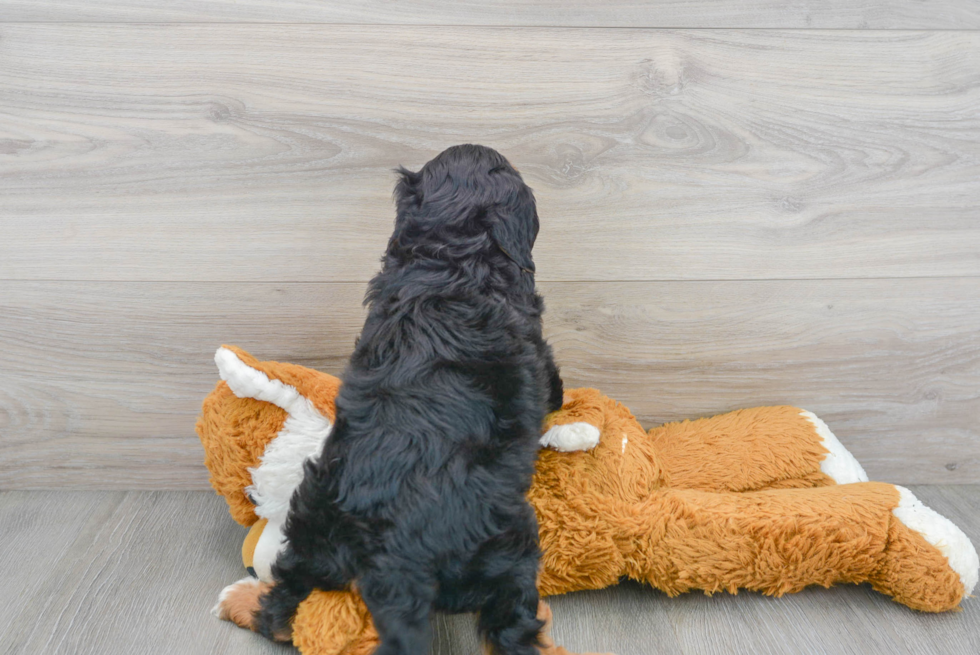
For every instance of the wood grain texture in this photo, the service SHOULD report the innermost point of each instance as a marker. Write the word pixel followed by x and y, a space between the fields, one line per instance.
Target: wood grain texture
pixel 856 14
pixel 102 382
pixel 264 152
pixel 113 573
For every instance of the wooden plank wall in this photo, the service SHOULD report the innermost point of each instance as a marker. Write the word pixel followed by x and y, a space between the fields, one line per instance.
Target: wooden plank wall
pixel 731 217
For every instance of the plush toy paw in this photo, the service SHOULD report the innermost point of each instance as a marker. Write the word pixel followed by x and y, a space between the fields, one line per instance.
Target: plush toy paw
pixel 928 564
pixel 941 533
pixel 238 602
pixel 570 437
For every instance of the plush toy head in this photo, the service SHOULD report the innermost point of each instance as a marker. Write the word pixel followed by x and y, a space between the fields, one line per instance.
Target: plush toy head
pixel 764 499
pixel 257 427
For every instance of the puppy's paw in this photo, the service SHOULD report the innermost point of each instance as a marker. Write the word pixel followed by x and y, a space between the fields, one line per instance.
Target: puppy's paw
pixel 571 437
pixel 238 602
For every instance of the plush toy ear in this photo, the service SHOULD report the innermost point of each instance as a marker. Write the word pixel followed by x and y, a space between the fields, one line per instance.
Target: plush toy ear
pixel 234 433
pixel 301 437
pixel 289 386
pixel 258 426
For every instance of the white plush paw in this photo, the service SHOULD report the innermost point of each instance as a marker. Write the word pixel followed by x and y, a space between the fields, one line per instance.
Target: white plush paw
pixel 220 609
pixel 839 463
pixel 941 533
pixel 570 437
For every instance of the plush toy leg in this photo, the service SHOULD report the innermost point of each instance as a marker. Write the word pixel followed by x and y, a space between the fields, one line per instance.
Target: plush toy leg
pixel 334 623
pixel 238 603
pixel 929 564
pixel 780 541
pixel 754 449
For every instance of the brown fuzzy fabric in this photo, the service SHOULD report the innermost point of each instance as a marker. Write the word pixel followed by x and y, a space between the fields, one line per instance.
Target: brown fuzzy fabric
pixel 744 450
pixel 334 623
pixel 731 502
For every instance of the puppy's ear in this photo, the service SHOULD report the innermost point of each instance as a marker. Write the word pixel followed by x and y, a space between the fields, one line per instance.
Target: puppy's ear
pixel 514 227
pixel 408 191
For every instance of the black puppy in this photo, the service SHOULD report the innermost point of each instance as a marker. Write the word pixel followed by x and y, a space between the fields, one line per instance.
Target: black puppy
pixel 417 499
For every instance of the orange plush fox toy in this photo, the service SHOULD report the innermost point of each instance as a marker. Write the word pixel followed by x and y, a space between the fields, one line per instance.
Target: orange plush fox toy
pixel 764 499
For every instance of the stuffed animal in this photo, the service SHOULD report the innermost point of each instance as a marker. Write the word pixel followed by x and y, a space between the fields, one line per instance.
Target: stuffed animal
pixel 765 499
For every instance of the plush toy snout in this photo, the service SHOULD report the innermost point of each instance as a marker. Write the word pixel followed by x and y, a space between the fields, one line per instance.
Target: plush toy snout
pixel 248 546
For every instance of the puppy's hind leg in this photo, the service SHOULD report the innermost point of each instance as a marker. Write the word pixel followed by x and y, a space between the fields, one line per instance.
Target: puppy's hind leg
pixel 400 601
pixel 273 619
pixel 509 619
pixel 513 620
pixel 538 641
pixel 294 580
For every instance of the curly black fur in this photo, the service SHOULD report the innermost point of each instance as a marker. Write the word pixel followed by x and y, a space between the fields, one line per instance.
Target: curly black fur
pixel 418 498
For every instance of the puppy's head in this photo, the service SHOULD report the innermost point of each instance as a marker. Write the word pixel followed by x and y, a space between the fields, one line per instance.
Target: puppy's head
pixel 467 200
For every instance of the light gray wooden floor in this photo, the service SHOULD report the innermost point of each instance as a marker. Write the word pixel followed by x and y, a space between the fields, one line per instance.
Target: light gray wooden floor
pixel 125 573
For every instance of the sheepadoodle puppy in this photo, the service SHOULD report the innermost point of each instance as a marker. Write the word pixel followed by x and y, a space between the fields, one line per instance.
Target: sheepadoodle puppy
pixel 417 499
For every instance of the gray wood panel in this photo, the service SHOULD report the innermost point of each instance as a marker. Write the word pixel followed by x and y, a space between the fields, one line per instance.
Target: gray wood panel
pixel 102 382
pixel 858 14
pixel 264 152
pixel 110 573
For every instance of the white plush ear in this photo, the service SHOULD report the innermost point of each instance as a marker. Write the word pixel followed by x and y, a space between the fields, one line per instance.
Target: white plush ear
pixel 302 436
